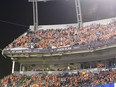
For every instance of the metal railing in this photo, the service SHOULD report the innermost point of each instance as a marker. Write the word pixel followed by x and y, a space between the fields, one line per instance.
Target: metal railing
pixel 80 48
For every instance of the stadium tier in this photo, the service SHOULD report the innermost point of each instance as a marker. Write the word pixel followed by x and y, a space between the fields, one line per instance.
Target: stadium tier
pixel 92 36
pixel 80 79
pixel 63 45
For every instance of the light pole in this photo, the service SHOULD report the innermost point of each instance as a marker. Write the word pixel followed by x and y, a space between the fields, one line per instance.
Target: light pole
pixel 35 12
pixel 78 13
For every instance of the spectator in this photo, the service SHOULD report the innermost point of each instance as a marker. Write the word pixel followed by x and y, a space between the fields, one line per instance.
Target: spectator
pixel 89 79
pixel 72 36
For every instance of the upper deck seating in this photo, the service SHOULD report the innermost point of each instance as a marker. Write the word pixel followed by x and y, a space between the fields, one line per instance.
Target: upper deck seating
pixel 72 36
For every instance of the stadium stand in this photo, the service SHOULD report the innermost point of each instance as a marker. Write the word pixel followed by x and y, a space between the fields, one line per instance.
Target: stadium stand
pixel 95 35
pixel 64 55
pixel 88 36
pixel 105 78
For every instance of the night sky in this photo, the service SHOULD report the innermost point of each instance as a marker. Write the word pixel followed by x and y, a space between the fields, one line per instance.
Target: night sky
pixel 16 16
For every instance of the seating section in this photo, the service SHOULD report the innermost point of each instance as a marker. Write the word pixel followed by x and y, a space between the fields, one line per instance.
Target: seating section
pixel 80 79
pixel 71 36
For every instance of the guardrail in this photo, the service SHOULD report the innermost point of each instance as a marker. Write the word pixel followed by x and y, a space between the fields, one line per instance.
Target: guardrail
pixel 81 48
pixel 36 50
pixel 93 70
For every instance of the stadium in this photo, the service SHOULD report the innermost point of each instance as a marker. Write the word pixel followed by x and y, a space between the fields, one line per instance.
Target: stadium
pixel 64 55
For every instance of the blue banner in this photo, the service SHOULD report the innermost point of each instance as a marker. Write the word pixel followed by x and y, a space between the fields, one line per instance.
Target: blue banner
pixel 107 85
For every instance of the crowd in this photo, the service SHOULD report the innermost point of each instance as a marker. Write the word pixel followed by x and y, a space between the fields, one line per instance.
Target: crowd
pixel 80 79
pixel 72 36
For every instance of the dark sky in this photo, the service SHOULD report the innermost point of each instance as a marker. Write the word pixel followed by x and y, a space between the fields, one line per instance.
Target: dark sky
pixel 52 12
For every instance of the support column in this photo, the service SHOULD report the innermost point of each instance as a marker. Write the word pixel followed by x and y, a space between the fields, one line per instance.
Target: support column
pixel 90 65
pixel 43 65
pixel 105 64
pixel 23 68
pixel 20 68
pixel 13 66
